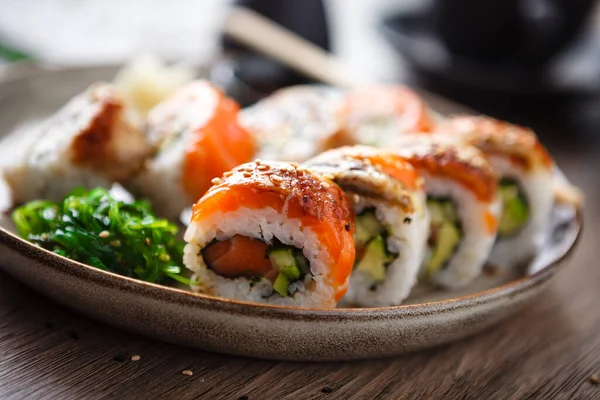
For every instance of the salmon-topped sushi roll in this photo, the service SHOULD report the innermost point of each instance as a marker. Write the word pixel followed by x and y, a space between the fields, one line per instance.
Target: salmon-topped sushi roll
pixel 392 222
pixel 464 207
pixel 374 115
pixel 525 172
pixel 94 140
pixel 296 123
pixel 198 138
pixel 271 232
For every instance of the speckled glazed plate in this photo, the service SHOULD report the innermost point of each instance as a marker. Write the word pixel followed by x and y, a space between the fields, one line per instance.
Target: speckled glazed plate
pixel 429 318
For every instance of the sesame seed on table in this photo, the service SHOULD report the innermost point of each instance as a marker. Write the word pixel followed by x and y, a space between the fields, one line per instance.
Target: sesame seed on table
pixel 549 350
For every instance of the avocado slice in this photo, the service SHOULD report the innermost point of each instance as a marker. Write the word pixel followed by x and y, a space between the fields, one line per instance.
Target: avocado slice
pixel 515 211
pixel 367 227
pixel 448 237
pixel 375 259
pixel 444 222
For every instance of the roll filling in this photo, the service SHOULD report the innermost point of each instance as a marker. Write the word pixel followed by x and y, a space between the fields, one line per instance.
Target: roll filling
pixel 445 235
pixel 515 210
pixel 373 255
pixel 241 256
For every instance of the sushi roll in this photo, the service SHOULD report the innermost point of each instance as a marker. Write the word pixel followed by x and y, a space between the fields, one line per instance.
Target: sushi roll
pixel 296 123
pixel 392 223
pixel 525 173
pixel 197 137
pixel 375 114
pixel 271 232
pixel 464 207
pixel 94 140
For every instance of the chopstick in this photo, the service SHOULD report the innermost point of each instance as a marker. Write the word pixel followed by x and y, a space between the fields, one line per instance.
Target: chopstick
pixel 269 38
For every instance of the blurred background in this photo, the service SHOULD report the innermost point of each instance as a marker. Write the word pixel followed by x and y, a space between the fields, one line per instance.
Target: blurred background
pixel 534 62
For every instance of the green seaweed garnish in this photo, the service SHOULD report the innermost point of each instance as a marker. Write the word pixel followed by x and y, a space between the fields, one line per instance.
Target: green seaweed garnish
pixel 95 229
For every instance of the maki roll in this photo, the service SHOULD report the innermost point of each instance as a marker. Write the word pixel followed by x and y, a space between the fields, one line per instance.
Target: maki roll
pixel 197 137
pixel 375 114
pixel 271 232
pixel 392 222
pixel 93 141
pixel 464 207
pixel 525 173
pixel 296 123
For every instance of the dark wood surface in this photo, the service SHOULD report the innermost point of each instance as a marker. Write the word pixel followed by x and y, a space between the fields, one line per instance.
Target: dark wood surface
pixel 549 350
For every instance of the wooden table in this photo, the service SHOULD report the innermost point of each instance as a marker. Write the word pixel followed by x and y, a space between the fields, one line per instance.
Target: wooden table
pixel 550 350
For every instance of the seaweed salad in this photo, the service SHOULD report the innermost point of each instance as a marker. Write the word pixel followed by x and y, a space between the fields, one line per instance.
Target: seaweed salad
pixel 94 228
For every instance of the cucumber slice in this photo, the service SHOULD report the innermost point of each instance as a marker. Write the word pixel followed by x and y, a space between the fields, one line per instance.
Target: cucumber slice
pixel 282 256
pixel 291 264
pixel 301 261
pixel 281 285
pixel 291 272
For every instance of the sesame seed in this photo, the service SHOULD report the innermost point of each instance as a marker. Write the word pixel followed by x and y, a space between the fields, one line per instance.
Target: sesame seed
pixel 275 179
pixel 227 174
pixel 104 234
pixel 293 164
pixel 328 176
pixel 187 372
pixel 263 168
pixel 325 185
pixel 216 181
pixel 136 357
pixel 247 174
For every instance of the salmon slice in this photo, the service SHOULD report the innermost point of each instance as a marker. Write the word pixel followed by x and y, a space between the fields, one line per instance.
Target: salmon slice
pixel 219 145
pixel 238 256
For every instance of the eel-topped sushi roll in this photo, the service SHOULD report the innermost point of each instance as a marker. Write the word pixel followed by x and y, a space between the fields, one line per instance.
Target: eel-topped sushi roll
pixel 376 114
pixel 271 232
pixel 197 137
pixel 525 172
pixel 392 222
pixel 464 207
pixel 296 123
pixel 93 140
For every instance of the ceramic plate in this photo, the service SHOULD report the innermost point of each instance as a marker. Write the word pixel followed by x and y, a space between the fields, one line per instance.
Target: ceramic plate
pixel 429 318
